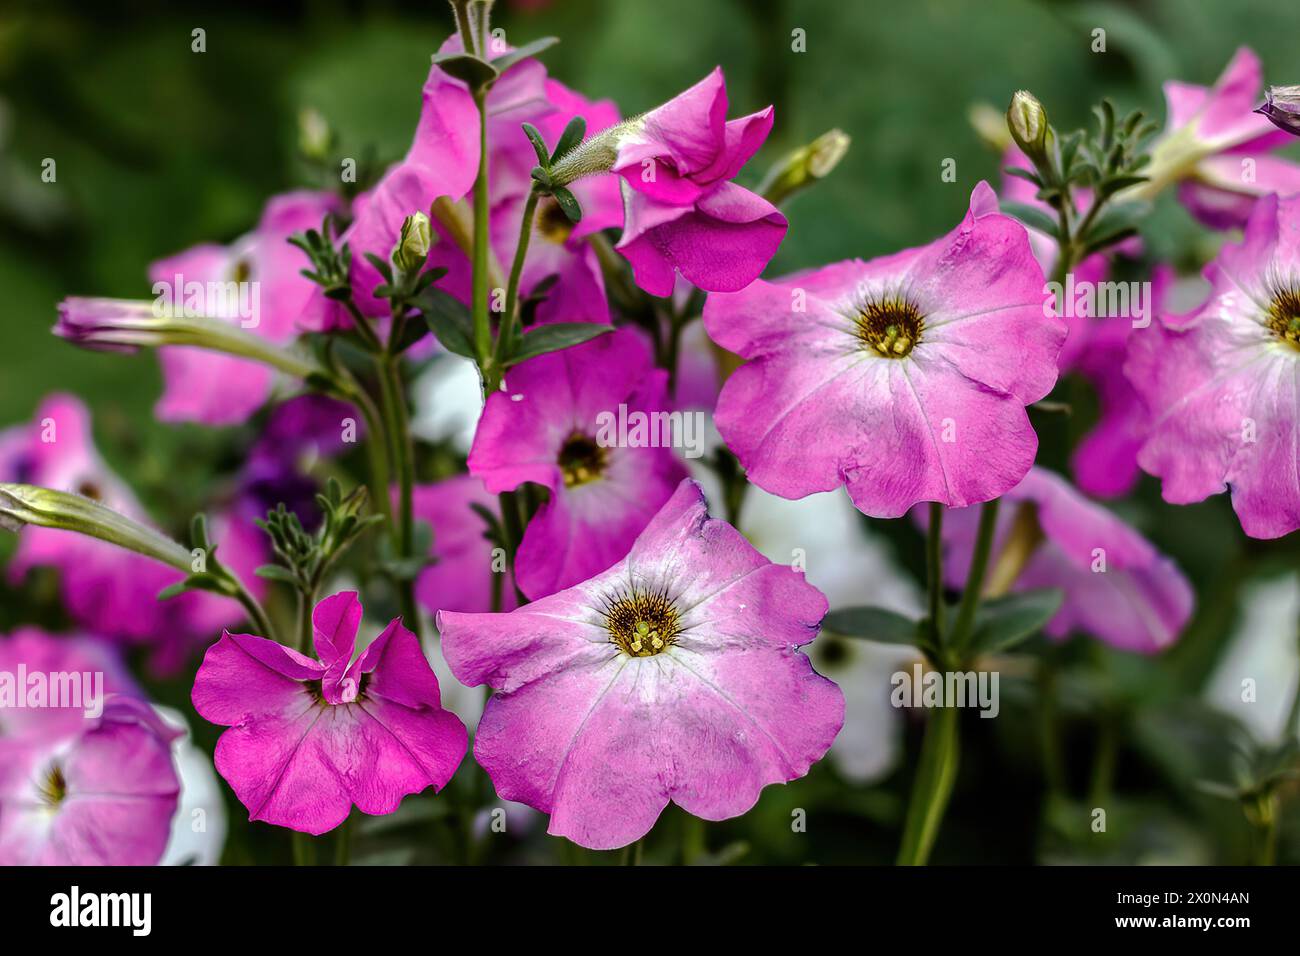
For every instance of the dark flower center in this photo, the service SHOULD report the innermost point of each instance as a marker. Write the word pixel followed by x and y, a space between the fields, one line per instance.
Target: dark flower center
pixel 642 623
pixel 581 460
pixel 1284 315
pixel 552 223
pixel 891 327
pixel 55 787
pixel 242 272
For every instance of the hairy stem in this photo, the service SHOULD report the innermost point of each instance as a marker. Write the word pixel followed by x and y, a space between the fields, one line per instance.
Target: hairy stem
pixel 510 319
pixel 936 773
pixel 934 572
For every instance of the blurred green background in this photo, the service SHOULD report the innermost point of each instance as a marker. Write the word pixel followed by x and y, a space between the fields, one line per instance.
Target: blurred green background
pixel 158 148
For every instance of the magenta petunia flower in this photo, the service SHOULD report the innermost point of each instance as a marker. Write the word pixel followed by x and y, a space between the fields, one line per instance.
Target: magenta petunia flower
pixel 1118 587
pixel 674 676
pixel 1222 384
pixel 555 424
pixel 462 576
pixel 308 738
pixel 106 590
pixel 905 378
pixel 1219 149
pixel 101 794
pixel 218 389
pixel 683 213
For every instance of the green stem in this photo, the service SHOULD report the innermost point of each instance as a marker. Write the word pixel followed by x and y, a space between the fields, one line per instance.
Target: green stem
pixel 970 596
pixel 632 853
pixel 343 848
pixel 479 298
pixel 694 842
pixel 934 572
pixel 1103 766
pixel 510 319
pixel 304 852
pixel 936 773
pixel 1049 735
pixel 1262 815
pixel 376 451
pixel 256 614
pixel 397 428
pixel 361 324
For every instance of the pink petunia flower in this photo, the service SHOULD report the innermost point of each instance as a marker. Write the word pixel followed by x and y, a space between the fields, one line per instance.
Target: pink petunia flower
pixel 102 793
pixel 1222 384
pixel 674 676
pixel 1118 587
pixel 1218 148
pixel 109 591
pixel 555 424
pixel 905 378
pixel 682 212
pixel 462 576
pixel 308 738
pixel 219 389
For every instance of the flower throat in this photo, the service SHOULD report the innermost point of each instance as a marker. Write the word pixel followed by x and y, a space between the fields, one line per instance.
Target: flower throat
pixel 1283 317
pixel 642 623
pixel 889 327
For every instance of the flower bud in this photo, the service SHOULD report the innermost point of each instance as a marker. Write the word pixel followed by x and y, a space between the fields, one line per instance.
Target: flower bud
pixel 46 508
pixel 412 247
pixel 1282 108
pixel 127 325
pixel 314 135
pixel 1027 121
pixel 805 166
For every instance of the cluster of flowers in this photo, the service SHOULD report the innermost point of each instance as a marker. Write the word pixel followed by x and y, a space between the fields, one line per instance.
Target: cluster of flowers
pixel 639 651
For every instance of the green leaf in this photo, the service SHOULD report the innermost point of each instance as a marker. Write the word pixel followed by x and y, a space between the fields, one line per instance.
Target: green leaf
pixel 276 572
pixel 539 145
pixel 573 135
pixel 874 624
pixel 449 320
pixel 192 582
pixel 1031 216
pixel 1020 173
pixel 464 66
pixel 569 203
pixel 1006 621
pixel 506 60
pixel 552 338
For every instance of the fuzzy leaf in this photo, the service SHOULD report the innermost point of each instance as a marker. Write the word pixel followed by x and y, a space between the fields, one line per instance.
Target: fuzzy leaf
pixel 873 624
pixel 552 338
pixel 1006 621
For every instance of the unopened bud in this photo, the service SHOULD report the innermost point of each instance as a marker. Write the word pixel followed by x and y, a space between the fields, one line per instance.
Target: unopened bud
pixel 1027 121
pixel 314 134
pixel 412 247
pixel 805 166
